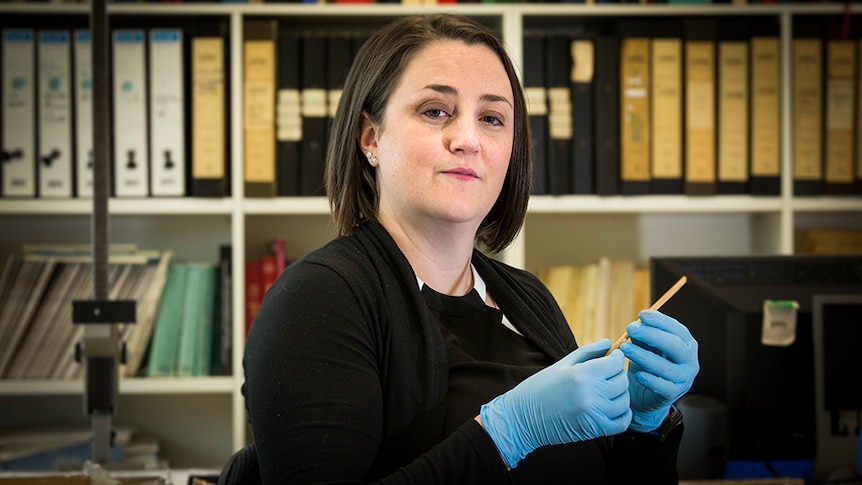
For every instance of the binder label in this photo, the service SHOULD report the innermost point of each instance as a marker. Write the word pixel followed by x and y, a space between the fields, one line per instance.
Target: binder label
pixel 583 62
pixel 288 116
pixel 537 102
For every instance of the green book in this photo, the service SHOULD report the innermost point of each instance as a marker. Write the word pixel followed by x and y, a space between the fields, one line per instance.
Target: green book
pixel 206 321
pixel 163 348
pixel 189 327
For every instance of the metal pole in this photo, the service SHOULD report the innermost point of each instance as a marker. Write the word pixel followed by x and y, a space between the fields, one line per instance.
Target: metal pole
pixel 100 340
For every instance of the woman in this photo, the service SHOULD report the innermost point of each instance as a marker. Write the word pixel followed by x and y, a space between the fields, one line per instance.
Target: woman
pixel 399 353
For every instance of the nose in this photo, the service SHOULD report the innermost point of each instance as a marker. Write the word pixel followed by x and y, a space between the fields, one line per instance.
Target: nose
pixel 462 135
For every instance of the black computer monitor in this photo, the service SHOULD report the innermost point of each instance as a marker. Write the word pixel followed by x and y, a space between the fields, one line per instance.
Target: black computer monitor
pixel 837 331
pixel 768 390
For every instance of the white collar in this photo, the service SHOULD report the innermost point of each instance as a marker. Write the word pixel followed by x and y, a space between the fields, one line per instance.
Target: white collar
pixel 478 283
pixel 481 289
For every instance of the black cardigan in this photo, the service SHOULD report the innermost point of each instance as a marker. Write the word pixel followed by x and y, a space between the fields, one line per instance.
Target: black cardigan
pixel 346 374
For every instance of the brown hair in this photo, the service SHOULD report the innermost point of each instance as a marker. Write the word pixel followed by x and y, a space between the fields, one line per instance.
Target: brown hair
pixel 376 70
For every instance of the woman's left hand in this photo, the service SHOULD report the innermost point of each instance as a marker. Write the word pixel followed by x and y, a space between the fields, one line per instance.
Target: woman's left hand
pixel 663 365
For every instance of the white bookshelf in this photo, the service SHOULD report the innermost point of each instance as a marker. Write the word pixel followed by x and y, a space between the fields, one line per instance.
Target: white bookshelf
pixel 203 421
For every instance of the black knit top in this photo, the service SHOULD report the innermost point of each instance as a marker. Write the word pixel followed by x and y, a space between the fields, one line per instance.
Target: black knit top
pixel 352 376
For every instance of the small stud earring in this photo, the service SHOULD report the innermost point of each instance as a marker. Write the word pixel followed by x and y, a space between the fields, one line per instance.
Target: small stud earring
pixel 371 158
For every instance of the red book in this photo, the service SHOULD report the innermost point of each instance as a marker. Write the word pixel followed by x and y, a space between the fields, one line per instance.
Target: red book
pixel 268 272
pixel 253 291
pixel 278 250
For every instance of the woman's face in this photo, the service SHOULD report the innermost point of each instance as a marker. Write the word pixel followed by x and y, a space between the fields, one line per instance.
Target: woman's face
pixel 446 139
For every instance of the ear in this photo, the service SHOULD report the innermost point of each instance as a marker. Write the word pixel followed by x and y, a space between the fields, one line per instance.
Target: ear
pixel 367 135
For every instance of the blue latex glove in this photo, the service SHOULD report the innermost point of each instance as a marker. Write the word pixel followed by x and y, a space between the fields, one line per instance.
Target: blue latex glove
pixel 663 365
pixel 581 397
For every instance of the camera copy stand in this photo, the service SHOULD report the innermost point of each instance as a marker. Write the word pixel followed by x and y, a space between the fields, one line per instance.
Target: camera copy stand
pixel 100 351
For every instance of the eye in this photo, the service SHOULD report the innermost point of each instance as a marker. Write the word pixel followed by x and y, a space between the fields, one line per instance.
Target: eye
pixel 491 120
pixel 435 113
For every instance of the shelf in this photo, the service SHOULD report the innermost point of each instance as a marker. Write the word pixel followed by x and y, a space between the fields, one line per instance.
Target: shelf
pixel 287 205
pixel 145 385
pixel 646 204
pixel 539 204
pixel 828 204
pixel 145 206
pixel 569 229
pixel 554 9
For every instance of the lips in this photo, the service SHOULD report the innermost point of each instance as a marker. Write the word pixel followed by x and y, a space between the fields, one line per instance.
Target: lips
pixel 462 172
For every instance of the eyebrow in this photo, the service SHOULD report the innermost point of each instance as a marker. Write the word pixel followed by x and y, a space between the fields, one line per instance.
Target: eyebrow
pixel 449 90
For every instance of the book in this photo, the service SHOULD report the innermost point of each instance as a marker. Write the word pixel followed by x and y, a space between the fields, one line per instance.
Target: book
pixel 598 298
pixel 55 350
pixel 840 106
pixel 583 91
pixel 700 39
pixel 807 58
pixel 558 60
pixel 52 448
pixel 536 94
pixel 732 169
pixel 607 114
pixel 253 291
pixel 206 322
pixel 223 364
pixel 635 130
pixel 47 329
pixel 268 272
pixel 621 297
pixel 765 110
pixel 666 121
pixel 147 295
pixel 187 346
pixel 29 286
pixel 210 161
pixel 129 99
pixel 279 250
pixel 10 269
pixel 163 355
pixel 64 450
pixel 560 280
pixel 18 153
pixel 858 159
pixel 288 114
pixel 167 112
pixel 314 113
pixel 259 63
pixel 829 241
pixel 30 358
pixel 339 57
pixel 55 114
pixel 83 69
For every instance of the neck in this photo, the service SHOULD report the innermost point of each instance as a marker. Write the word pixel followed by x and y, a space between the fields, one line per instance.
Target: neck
pixel 441 260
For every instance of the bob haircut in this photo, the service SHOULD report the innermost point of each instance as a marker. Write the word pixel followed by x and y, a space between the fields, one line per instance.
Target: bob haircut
pixel 350 180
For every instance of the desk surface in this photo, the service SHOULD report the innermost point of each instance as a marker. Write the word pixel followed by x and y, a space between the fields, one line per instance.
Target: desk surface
pixel 137 477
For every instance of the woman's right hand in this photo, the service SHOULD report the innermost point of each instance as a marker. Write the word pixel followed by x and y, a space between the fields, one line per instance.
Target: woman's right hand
pixel 582 396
